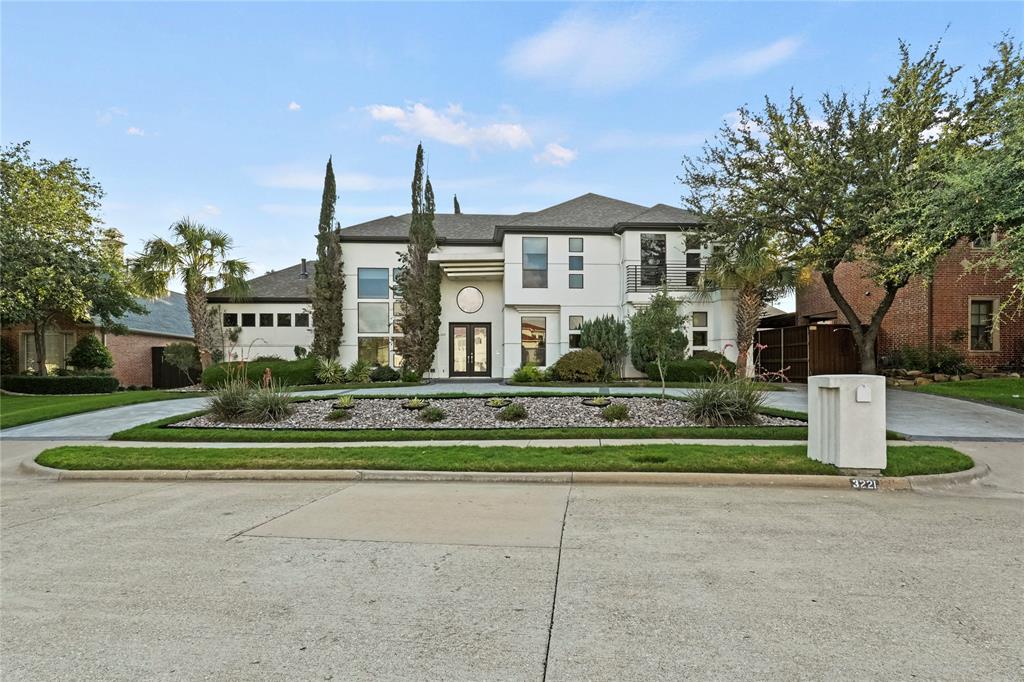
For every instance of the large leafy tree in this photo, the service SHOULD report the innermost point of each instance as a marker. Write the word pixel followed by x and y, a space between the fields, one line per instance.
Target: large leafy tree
pixel 57 261
pixel 199 256
pixel 758 274
pixel 418 283
pixel 328 277
pixel 859 183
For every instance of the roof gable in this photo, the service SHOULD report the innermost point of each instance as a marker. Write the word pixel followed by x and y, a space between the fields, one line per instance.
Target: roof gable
pixel 287 283
pixel 663 214
pixel 586 211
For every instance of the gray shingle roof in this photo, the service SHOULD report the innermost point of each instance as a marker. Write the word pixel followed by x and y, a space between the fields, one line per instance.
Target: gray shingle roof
pixel 287 283
pixel 587 211
pixel 457 226
pixel 663 214
pixel 167 316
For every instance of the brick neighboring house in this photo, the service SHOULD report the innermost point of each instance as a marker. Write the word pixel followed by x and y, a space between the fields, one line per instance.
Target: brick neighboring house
pixel 167 322
pixel 953 310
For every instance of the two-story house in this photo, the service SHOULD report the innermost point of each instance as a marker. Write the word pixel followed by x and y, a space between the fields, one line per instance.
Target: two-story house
pixel 514 288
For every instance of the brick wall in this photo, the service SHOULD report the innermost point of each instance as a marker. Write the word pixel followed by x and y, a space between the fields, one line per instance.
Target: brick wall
pixel 922 315
pixel 133 359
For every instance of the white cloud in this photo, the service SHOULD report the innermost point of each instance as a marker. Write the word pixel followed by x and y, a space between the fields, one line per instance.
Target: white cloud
pixel 451 127
pixel 135 132
pixel 294 106
pixel 106 117
pixel 747 63
pixel 211 210
pixel 626 139
pixel 556 155
pixel 588 52
pixel 298 176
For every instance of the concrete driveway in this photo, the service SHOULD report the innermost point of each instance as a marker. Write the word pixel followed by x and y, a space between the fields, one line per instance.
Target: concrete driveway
pixel 275 581
pixel 918 415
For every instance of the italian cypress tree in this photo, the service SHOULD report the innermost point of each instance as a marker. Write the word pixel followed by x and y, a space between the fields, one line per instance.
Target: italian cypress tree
pixel 328 278
pixel 457 209
pixel 419 281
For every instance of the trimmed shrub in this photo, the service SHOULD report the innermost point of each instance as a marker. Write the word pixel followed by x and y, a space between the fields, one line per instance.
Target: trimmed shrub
pixel 230 402
pixel 725 401
pixel 269 404
pixel 288 372
pixel 943 359
pixel 584 366
pixel 329 371
pixel 340 415
pixel 384 373
pixel 513 413
pixel 90 353
pixel 608 337
pixel 49 385
pixel 693 370
pixel 8 357
pixel 267 358
pixel 359 372
pixel 715 359
pixel 528 373
pixel 431 414
pixel 616 413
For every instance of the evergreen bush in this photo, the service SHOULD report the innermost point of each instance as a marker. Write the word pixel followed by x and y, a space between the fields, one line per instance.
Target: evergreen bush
pixel 584 366
pixel 90 353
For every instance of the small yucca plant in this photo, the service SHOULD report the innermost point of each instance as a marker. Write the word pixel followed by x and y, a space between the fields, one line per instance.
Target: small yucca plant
pixel 725 401
pixel 230 401
pixel 329 371
pixel 269 403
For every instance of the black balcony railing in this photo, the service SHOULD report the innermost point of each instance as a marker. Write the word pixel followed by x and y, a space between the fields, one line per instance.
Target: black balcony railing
pixel 677 276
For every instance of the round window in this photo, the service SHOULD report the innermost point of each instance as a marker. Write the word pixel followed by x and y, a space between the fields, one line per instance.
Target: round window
pixel 470 300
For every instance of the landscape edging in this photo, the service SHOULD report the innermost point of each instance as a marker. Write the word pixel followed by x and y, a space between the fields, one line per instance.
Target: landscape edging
pixel 581 477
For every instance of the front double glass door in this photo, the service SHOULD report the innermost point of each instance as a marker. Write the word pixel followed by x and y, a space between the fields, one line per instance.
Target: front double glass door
pixel 470 350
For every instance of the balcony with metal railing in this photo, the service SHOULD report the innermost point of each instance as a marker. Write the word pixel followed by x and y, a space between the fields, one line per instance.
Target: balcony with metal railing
pixel 651 278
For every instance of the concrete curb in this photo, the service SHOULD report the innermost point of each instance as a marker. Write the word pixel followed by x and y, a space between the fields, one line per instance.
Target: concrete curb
pixel 31 467
pixel 976 473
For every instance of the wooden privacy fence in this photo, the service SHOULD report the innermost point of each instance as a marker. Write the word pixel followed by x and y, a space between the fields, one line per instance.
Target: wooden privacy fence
pixel 169 376
pixel 806 350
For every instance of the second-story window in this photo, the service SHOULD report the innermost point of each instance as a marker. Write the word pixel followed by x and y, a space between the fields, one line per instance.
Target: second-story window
pixel 535 262
pixel 372 283
pixel 652 259
pixel 699 321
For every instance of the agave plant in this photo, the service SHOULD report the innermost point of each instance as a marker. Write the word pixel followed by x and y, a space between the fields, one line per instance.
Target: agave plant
pixel 345 402
pixel 329 371
pixel 497 402
pixel 416 403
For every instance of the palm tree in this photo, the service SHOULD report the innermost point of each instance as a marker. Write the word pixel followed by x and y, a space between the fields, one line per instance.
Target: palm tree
pixel 199 256
pixel 756 270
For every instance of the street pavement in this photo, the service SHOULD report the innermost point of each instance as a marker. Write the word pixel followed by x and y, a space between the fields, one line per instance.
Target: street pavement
pixel 416 581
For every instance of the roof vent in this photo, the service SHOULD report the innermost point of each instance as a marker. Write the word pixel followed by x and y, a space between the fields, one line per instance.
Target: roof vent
pixel 304 273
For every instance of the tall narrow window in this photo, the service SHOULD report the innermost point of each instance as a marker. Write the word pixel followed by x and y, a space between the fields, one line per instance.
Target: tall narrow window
pixel 535 262
pixel 372 282
pixel 534 333
pixel 699 322
pixel 652 260
pixel 981 324
pixel 575 325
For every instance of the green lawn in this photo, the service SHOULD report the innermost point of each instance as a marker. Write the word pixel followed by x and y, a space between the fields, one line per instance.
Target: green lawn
pixel 997 391
pixel 778 459
pixel 16 410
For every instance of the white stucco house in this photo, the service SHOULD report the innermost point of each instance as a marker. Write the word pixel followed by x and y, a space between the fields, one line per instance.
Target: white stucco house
pixel 514 288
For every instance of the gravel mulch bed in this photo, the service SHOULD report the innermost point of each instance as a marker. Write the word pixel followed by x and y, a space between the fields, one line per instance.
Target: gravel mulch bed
pixel 473 413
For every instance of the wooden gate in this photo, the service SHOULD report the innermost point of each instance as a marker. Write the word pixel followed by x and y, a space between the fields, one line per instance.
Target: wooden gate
pixel 169 376
pixel 806 350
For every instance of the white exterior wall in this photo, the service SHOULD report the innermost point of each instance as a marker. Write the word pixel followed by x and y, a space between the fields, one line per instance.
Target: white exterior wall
pixel 506 301
pixel 256 341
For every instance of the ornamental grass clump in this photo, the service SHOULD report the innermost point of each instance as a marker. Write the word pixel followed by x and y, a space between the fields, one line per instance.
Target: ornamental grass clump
pixel 513 413
pixel 431 414
pixel 269 403
pixel 230 401
pixel 615 413
pixel 726 401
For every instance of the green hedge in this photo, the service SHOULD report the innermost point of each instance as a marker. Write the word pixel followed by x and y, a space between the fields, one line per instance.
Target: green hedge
pixel 54 385
pixel 693 369
pixel 288 372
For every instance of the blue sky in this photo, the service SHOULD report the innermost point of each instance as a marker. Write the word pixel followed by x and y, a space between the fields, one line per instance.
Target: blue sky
pixel 227 112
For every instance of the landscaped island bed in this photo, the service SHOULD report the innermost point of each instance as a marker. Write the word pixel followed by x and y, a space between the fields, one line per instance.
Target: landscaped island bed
pixel 475 413
pixel 777 459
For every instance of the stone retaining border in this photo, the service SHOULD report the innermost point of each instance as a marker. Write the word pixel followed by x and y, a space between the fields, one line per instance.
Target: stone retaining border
pixel 979 471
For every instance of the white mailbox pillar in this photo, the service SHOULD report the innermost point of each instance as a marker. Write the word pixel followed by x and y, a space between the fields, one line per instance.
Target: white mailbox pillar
pixel 846 420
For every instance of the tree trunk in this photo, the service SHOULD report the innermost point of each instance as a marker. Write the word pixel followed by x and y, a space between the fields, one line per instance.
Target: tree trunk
pixel 199 314
pixel 863 338
pixel 749 311
pixel 39 338
pixel 661 373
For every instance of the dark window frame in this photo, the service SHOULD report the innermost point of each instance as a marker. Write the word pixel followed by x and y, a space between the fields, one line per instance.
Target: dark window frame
pixel 361 293
pixel 230 319
pixel 284 316
pixel 538 277
pixel 301 320
pixel 263 319
pixel 251 319
pixel 540 351
pixel 982 338
pixel 574 278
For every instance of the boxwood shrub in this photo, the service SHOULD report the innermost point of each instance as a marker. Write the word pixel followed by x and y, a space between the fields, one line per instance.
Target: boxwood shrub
pixel 694 370
pixel 287 372
pixel 53 385
pixel 583 366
